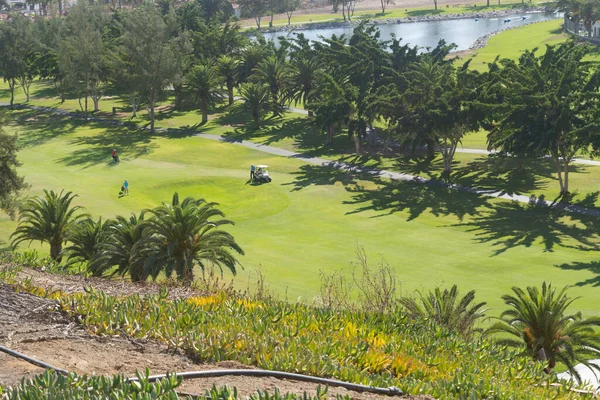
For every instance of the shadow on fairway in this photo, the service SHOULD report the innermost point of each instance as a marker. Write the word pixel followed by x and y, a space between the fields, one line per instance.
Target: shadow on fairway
pixel 390 197
pixel 42 127
pixel 96 149
pixel 508 225
pixel 421 166
pixel 593 266
pixel 309 175
pixel 507 175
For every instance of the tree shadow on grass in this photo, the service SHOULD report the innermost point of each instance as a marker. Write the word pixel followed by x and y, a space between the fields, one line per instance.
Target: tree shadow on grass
pixel 421 166
pixel 415 198
pixel 509 224
pixel 321 175
pixel 38 128
pixel 593 266
pixel 96 149
pixel 506 175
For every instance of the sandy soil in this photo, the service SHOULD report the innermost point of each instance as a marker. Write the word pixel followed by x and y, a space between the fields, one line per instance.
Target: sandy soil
pixel 35 327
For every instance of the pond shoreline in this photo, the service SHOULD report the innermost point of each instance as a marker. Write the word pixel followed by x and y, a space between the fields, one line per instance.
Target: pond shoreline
pixel 388 21
pixel 481 42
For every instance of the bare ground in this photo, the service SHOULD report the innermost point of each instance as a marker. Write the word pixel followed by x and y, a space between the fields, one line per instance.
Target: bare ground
pixel 35 327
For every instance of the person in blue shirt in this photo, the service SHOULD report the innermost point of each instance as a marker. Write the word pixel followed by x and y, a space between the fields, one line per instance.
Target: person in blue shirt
pixel 126 187
pixel 252 172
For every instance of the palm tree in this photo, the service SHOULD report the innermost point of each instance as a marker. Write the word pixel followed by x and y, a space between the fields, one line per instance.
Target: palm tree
pixel 116 253
pixel 544 330
pixel 428 80
pixel 228 68
pixel 447 309
pixel 332 102
pixel 249 59
pixel 48 219
pixel 206 85
pixel 274 73
pixel 182 235
pixel 256 100
pixel 85 237
pixel 303 78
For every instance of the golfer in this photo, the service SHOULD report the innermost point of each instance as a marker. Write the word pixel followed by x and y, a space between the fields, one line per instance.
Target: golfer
pixel 115 156
pixel 126 187
pixel 252 172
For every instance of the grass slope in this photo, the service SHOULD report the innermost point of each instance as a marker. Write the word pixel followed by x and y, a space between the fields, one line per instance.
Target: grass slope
pixel 310 218
pixel 513 42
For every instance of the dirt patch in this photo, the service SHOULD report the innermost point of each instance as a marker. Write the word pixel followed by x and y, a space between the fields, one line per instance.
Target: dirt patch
pixel 34 326
pixel 114 287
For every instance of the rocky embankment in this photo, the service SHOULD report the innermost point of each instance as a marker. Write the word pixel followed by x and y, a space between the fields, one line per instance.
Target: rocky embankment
pixel 423 18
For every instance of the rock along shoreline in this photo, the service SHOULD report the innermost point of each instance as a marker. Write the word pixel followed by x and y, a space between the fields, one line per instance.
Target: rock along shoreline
pixel 423 18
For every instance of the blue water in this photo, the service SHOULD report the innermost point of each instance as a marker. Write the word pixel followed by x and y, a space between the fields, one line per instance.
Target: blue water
pixel 462 32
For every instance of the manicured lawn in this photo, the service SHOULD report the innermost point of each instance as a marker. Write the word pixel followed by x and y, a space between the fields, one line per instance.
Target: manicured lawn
pixel 513 42
pixel 311 218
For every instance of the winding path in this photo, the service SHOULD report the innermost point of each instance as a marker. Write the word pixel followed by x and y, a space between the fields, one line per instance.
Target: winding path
pixel 399 176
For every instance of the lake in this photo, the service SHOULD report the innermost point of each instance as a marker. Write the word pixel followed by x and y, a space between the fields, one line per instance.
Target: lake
pixel 462 32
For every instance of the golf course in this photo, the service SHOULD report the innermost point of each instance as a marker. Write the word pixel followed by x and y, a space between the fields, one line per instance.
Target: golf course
pixel 311 219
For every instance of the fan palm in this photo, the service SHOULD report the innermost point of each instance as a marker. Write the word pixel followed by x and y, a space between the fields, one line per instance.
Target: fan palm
pixel 273 72
pixel 182 235
pixel 543 329
pixel 48 219
pixel 85 237
pixel 204 81
pixel 446 308
pixel 256 100
pixel 116 253
pixel 303 77
pixel 228 68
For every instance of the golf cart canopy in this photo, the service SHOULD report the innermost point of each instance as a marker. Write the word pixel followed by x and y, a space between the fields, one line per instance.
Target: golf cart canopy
pixel 262 166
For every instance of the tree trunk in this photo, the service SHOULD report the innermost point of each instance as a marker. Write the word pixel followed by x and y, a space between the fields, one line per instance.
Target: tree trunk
pixel 276 112
pixel 289 15
pixel 435 4
pixel 271 21
pixel 55 251
pixel 60 11
pixel 86 103
pixel 204 108
pixel 96 100
pixel 566 177
pixel 382 6
pixel 230 92
pixel 257 19
pixel 134 105
pixel 430 148
pixel 178 89
pixel 151 112
pixel 26 90
pixel 256 118
pixel 558 169
pixel 356 144
pixel 330 133
pixel 11 85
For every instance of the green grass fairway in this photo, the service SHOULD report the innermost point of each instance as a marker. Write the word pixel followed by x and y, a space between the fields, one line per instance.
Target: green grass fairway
pixel 311 218
pixel 513 42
